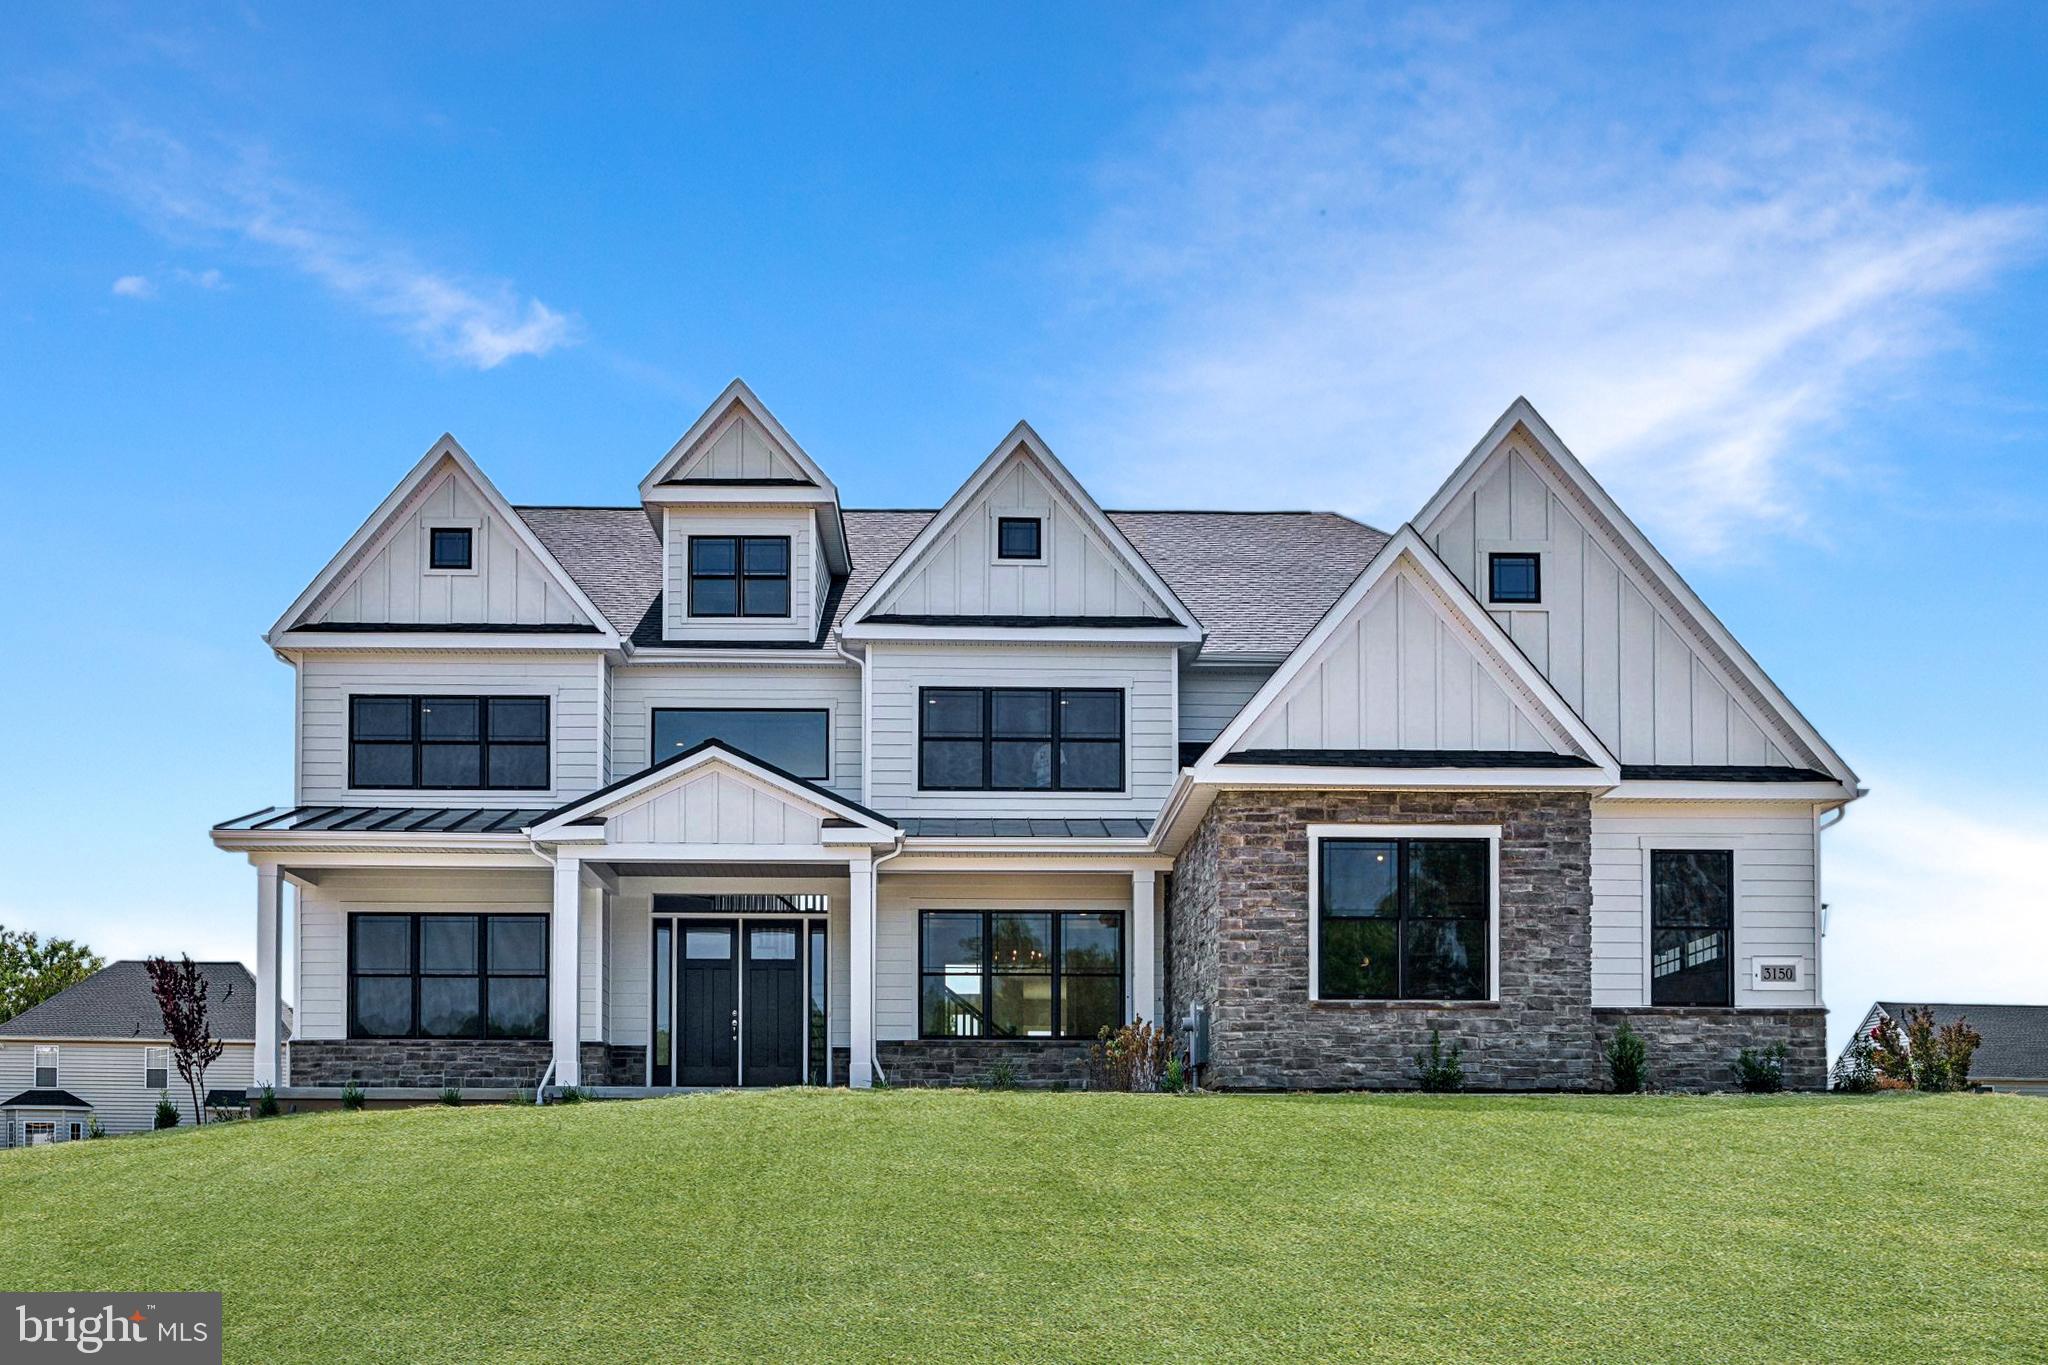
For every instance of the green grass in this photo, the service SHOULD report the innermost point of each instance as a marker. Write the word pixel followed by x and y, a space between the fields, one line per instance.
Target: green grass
pixel 1050 1227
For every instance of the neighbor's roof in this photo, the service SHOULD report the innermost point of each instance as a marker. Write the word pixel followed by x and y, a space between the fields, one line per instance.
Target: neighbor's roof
pixel 2015 1037
pixel 45 1099
pixel 1257 581
pixel 116 1002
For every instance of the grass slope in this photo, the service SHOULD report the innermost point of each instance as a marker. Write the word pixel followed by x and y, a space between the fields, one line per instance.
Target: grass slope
pixel 962 1224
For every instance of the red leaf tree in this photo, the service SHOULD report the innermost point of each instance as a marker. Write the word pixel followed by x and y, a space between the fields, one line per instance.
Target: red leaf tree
pixel 181 995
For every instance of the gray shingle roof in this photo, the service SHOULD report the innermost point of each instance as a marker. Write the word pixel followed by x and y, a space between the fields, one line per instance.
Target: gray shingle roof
pixel 116 1002
pixel 1257 581
pixel 2015 1037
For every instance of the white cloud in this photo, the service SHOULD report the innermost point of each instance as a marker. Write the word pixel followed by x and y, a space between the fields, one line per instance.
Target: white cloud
pixel 134 287
pixel 209 279
pixel 241 196
pixel 1342 252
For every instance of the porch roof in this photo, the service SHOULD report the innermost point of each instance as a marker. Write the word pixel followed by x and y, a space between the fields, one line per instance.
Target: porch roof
pixel 957 827
pixel 45 1099
pixel 330 818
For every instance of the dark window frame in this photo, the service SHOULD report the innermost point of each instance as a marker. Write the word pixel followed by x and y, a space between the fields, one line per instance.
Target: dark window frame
pixel 1402 918
pixel 739 578
pixel 1037 525
pixel 1056 970
pixel 468 534
pixel 483 974
pixel 483 743
pixel 1726 927
pixel 654 754
pixel 1535 562
pixel 988 738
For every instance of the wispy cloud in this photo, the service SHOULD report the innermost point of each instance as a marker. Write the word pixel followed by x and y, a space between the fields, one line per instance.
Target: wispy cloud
pixel 237 194
pixel 134 287
pixel 1341 252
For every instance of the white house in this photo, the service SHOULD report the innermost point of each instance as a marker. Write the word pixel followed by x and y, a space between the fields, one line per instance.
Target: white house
pixel 734 785
pixel 98 1050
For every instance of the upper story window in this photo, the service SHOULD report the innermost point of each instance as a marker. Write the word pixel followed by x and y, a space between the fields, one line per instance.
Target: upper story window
pixel 46 1068
pixel 1019 974
pixel 1404 918
pixel 795 741
pixel 739 575
pixel 156 1068
pixel 1020 739
pixel 1692 926
pixel 1019 538
pixel 449 743
pixel 451 547
pixel 448 976
pixel 1514 578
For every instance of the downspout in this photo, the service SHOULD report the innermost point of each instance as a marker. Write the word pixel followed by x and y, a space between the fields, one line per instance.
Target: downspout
pixel 874 940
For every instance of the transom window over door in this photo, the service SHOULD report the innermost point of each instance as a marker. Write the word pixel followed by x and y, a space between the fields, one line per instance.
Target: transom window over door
pixel 1020 739
pixel 1404 918
pixel 1692 926
pixel 1019 973
pixel 448 976
pixel 739 576
pixel 449 743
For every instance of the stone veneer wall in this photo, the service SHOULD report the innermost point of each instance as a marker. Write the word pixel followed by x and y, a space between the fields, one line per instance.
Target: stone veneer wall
pixel 420 1062
pixel 967 1061
pixel 1693 1048
pixel 607 1064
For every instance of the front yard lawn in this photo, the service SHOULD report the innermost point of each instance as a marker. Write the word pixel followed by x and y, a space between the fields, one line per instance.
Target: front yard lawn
pixel 951 1225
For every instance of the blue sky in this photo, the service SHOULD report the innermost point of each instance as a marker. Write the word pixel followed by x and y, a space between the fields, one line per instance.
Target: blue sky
pixel 1778 277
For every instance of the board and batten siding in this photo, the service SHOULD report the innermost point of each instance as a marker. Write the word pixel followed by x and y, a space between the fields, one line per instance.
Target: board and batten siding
pixel 573 683
pixel 508 585
pixel 109 1077
pixel 1611 646
pixel 722 519
pixel 1146 674
pixel 1210 699
pixel 1777 914
pixel 639 690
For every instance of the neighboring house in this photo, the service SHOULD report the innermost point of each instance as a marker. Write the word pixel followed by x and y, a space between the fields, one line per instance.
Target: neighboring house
pixel 97 1049
pixel 734 785
pixel 2013 1055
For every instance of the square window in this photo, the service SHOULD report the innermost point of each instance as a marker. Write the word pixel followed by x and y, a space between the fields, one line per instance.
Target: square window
pixel 451 547
pixel 519 944
pixel 1402 918
pixel 1018 538
pixel 714 555
pixel 449 717
pixel 1514 578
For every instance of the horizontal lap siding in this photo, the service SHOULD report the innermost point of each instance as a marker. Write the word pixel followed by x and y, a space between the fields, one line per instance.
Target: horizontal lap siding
pixel 109 1077
pixel 1210 699
pixel 681 523
pixel 574 684
pixel 1775 909
pixel 637 692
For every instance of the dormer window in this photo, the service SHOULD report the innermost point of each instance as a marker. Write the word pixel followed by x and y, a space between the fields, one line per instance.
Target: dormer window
pixel 1018 538
pixel 451 548
pixel 739 576
pixel 1514 578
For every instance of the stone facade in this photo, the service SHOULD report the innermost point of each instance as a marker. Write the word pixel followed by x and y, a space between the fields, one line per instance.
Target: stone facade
pixel 608 1064
pixel 424 1063
pixel 1694 1048
pixel 1038 1064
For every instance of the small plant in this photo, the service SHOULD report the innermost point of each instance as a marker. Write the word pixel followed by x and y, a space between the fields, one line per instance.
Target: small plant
pixel 451 1095
pixel 1133 1057
pixel 166 1112
pixel 94 1128
pixel 1856 1071
pixel 1761 1071
pixel 1628 1057
pixel 1923 1057
pixel 1002 1074
pixel 1176 1078
pixel 526 1097
pixel 266 1103
pixel 1441 1069
pixel 570 1094
pixel 352 1096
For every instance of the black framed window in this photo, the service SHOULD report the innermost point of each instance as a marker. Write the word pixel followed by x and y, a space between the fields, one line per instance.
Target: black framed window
pixel 739 575
pixel 1692 926
pixel 1019 538
pixel 1514 578
pixel 796 741
pixel 451 547
pixel 1404 919
pixel 448 976
pixel 1020 739
pixel 449 743
pixel 1019 973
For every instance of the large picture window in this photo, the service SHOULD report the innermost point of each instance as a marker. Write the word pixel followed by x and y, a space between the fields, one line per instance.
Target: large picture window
pixel 448 743
pixel 1020 739
pixel 794 741
pixel 448 976
pixel 739 575
pixel 1019 973
pixel 1692 926
pixel 1404 918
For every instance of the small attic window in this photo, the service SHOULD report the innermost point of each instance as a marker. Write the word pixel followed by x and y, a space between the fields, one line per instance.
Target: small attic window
pixel 451 547
pixel 1514 578
pixel 1018 538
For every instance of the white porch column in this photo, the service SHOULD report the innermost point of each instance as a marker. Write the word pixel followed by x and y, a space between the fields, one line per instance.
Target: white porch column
pixel 1144 947
pixel 860 995
pixel 565 937
pixel 269 976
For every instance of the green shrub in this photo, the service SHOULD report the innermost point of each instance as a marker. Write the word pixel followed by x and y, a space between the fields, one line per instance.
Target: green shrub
pixel 570 1094
pixel 1440 1069
pixel 1176 1078
pixel 1856 1071
pixel 451 1095
pixel 166 1112
pixel 1628 1057
pixel 1002 1074
pixel 1761 1071
pixel 266 1103
pixel 93 1127
pixel 352 1096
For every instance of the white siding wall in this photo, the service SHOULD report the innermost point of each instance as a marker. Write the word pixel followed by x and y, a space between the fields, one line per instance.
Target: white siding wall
pixel 1776 913
pixel 638 690
pixel 572 682
pixel 1210 698
pixel 508 585
pixel 1601 635
pixel 109 1077
pixel 902 896
pixel 680 523
pixel 713 808
pixel 1146 673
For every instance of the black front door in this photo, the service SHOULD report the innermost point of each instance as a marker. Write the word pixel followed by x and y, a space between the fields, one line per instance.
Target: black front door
pixel 707 978
pixel 774 1019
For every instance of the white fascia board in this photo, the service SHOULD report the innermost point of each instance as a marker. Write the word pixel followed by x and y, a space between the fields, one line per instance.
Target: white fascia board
pixel 755 495
pixel 295 642
pixel 649 656
pixel 1705 624
pixel 1837 793
pixel 1229 775
pixel 721 853
pixel 1003 635
pixel 296 856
